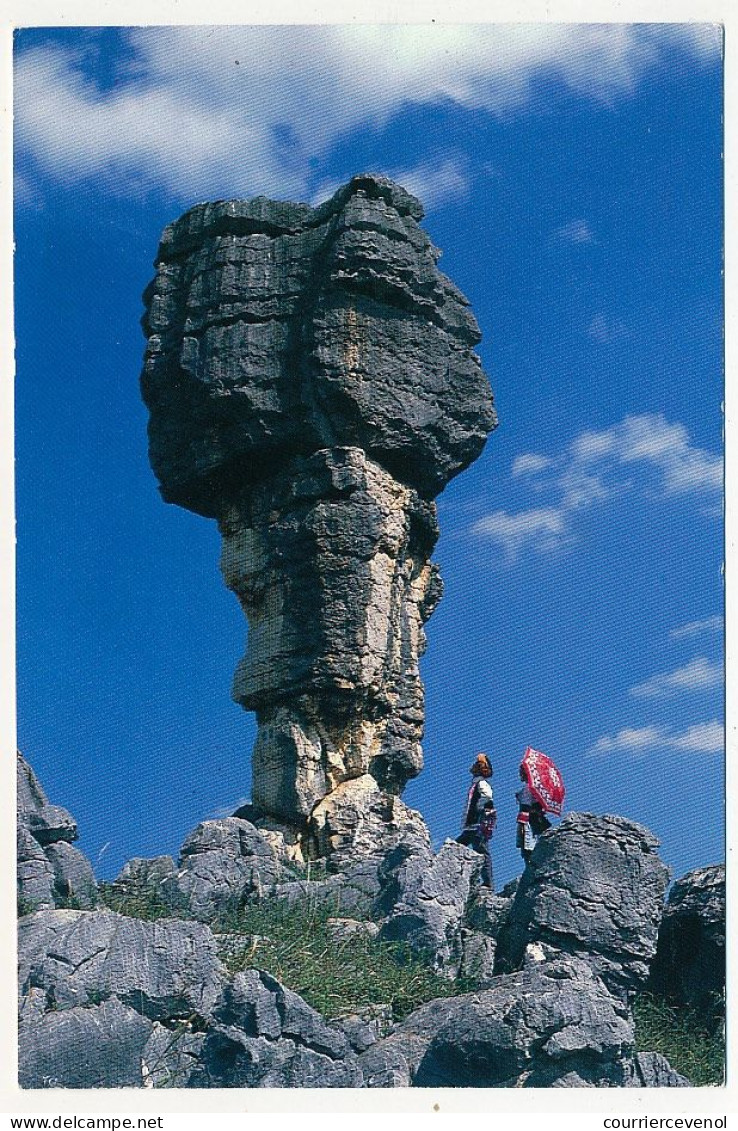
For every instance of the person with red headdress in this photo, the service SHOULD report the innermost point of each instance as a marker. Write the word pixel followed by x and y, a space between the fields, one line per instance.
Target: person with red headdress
pixel 480 815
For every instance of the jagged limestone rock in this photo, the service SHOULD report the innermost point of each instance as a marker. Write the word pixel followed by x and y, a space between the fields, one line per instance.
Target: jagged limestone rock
pixel 358 820
pixel 170 1056
pixel 262 1035
pixel 35 874
pixel 425 897
pixel 74 880
pixel 553 1025
pixel 99 1047
pixel 167 970
pixel 312 385
pixel 222 863
pixel 142 872
pixel 47 823
pixel 689 966
pixel 594 888
pixel 51 872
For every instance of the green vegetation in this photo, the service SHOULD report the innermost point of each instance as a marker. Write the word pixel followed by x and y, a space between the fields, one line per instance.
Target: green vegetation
pixel 141 902
pixel 682 1036
pixel 26 906
pixel 294 945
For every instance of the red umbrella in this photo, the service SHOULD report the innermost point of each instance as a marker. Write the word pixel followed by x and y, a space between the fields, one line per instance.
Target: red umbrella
pixel 544 779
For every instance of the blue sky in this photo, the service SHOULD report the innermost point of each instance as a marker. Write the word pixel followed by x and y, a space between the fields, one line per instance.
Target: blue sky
pixel 572 176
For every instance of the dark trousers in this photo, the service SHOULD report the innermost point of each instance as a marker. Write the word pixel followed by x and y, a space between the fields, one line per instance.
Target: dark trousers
pixel 472 838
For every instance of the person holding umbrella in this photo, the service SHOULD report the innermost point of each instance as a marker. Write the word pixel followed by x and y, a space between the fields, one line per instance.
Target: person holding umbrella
pixel 542 792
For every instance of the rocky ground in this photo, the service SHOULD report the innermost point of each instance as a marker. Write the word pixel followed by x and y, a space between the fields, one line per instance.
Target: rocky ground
pixel 168 990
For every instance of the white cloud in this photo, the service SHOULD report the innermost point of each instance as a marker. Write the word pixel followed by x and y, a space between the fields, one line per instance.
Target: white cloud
pixel 206 111
pixel 606 330
pixel 698 675
pixel 543 529
pixel 576 231
pixel 630 740
pixel 651 439
pixel 701 738
pixel 695 627
pixel 589 473
pixel 530 464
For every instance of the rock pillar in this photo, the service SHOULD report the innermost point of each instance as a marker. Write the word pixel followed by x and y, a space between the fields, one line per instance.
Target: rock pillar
pixel 312 385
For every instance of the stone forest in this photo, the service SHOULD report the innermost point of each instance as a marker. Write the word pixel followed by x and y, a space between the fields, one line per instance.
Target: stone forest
pixel 312 386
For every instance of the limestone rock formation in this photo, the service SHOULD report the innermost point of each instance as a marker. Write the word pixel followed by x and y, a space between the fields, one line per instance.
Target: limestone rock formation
pixel 424 898
pixel 51 871
pixel 263 1035
pixel 312 385
pixel 222 862
pixel 167 970
pixel 106 1000
pixel 594 889
pixel 553 1025
pixel 689 966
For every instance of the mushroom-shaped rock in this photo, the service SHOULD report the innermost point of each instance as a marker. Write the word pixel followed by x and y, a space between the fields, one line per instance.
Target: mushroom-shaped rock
pixel 312 385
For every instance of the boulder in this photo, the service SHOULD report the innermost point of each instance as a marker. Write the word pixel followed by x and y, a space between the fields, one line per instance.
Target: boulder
pixel 84 1047
pixel 487 911
pixel 689 966
pixel 142 872
pixel 593 889
pixel 47 823
pixel 222 863
pixel 35 875
pixel 74 880
pixel 424 898
pixel 50 871
pixel 166 970
pixel 263 1035
pixel 476 965
pixel 551 1025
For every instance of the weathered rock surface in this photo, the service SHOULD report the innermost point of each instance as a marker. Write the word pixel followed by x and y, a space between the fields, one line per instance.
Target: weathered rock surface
pixel 166 970
pixel 312 385
pixel 594 889
pixel 74 880
pixel 170 1056
pixel 359 821
pixel 142 872
pixel 35 874
pixel 554 1024
pixel 689 966
pixel 263 1035
pixel 424 898
pixel 47 823
pixel 99 1047
pixel 50 871
pixel 222 863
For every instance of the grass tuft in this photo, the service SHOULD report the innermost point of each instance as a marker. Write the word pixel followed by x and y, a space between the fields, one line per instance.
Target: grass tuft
pixel 682 1036
pixel 293 944
pixel 141 902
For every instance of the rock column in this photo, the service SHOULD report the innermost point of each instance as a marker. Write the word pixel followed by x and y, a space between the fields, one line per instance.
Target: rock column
pixel 312 385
